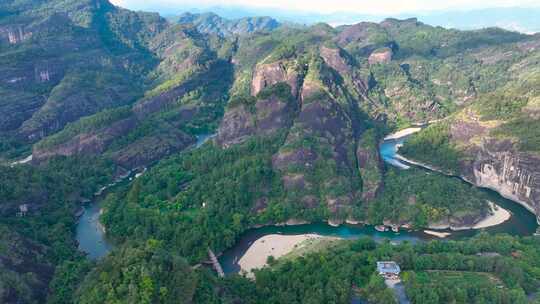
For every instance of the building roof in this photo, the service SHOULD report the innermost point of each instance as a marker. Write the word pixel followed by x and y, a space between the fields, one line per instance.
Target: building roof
pixel 388 267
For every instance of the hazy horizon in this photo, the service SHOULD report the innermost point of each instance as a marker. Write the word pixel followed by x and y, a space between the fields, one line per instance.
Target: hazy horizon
pixel 521 15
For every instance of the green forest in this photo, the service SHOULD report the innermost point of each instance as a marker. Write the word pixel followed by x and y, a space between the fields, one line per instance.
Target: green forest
pixel 484 269
pixel 109 106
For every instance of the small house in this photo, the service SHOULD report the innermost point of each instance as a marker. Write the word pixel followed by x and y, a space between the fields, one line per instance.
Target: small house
pixel 388 269
pixel 23 210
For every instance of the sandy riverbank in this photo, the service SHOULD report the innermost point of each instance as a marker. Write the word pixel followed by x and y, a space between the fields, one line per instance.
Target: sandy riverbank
pixel 499 215
pixel 275 245
pixel 403 133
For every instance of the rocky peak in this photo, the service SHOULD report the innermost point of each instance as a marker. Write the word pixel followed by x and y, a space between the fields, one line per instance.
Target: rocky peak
pixel 334 58
pixel 397 23
pixel 266 75
pixel 356 33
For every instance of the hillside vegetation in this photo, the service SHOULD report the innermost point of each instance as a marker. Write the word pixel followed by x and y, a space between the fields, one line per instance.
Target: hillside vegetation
pixel 93 91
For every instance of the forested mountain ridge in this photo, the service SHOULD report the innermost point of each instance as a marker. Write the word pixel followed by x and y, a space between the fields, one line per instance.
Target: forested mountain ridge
pixel 211 23
pixel 63 60
pixel 92 90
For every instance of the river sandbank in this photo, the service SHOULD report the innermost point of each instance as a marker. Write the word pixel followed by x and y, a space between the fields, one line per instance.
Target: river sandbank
pixel 403 133
pixel 498 216
pixel 437 233
pixel 275 245
pixel 22 161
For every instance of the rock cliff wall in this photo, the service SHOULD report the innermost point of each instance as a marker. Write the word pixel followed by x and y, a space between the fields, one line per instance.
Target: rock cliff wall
pixel 515 175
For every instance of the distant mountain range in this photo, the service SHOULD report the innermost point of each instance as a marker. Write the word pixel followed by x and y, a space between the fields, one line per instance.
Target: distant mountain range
pixel 211 23
pixel 519 19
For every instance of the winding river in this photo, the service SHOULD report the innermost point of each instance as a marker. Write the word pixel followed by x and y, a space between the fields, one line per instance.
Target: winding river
pixel 91 236
pixel 522 222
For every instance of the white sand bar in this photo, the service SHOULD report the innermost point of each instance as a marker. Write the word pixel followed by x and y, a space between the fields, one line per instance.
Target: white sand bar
pixel 403 133
pixel 275 245
pixel 437 233
pixel 499 215
pixel 22 161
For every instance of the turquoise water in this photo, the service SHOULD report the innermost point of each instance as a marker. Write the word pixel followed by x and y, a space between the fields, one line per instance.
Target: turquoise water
pixel 522 221
pixel 388 150
pixel 90 235
pixel 92 239
pixel 202 139
pixel 229 259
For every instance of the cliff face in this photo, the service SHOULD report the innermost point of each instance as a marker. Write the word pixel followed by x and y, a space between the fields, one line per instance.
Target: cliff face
pixel 154 126
pixel 78 58
pixel 150 149
pixel 266 75
pixel 369 164
pixel 515 175
pixel 320 140
pixel 265 114
pixel 86 143
pixel 492 160
pixel 380 56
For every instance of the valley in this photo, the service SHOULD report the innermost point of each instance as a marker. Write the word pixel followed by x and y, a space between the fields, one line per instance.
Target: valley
pixel 132 144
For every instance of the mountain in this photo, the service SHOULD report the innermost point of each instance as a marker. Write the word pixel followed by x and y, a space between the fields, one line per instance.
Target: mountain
pixel 211 23
pixel 94 92
pixel 493 142
pixel 515 18
pixel 59 57
pixel 62 64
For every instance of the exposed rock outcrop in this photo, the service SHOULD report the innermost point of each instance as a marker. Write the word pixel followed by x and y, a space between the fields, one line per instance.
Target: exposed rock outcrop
pixel 515 175
pixel 269 114
pixel 383 55
pixel 266 75
pixel 369 164
pixel 494 162
pixel 340 61
pixel 153 104
pixel 335 59
pixel 150 149
pixel 85 143
pixel 236 126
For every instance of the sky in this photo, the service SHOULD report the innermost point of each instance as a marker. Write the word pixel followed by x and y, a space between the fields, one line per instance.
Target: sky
pixel 378 7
